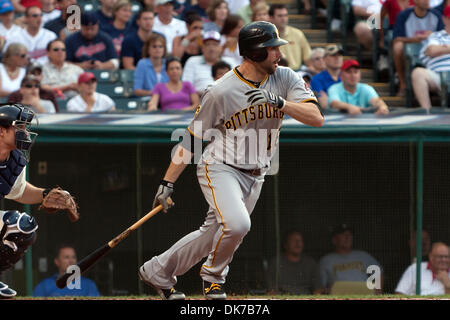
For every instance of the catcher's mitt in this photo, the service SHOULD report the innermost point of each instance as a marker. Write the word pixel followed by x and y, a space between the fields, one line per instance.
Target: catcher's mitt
pixel 59 199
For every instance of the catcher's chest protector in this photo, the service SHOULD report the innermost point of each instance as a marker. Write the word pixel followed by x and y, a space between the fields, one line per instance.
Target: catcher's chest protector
pixel 10 170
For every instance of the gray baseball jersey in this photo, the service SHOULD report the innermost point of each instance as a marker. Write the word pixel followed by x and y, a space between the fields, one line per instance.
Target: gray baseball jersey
pixel 236 127
pixel 245 135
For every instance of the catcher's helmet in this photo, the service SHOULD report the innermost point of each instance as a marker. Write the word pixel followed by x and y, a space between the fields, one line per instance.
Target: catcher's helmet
pixel 255 37
pixel 21 117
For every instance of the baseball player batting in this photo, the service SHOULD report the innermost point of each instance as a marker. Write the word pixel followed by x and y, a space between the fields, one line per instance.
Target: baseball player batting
pixel 248 101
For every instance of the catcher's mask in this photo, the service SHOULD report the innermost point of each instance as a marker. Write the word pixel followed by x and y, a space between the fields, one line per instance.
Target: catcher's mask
pixel 20 117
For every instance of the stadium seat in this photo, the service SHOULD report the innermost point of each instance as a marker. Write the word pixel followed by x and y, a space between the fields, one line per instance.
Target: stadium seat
pixel 376 45
pixel 135 6
pixel 412 51
pixel 62 104
pixel 330 5
pixel 130 105
pixel 126 76
pixel 115 90
pixel 445 89
pixel 88 5
pixel 106 76
pixel 347 19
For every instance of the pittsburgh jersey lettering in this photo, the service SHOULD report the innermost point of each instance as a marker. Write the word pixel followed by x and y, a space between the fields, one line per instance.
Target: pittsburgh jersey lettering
pixel 243 117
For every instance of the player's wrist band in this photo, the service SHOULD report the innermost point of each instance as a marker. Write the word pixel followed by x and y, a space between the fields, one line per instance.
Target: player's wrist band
pixel 167 183
pixel 45 192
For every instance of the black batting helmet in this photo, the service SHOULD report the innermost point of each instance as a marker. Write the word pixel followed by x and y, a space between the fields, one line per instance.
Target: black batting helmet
pixel 255 37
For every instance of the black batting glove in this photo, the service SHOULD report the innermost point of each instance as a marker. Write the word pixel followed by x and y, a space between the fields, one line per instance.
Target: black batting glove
pixel 261 96
pixel 164 192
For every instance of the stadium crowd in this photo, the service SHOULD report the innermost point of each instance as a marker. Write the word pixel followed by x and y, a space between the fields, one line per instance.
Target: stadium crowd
pixel 137 39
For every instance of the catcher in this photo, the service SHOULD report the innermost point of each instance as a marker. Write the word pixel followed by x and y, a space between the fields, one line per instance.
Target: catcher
pixel 18 229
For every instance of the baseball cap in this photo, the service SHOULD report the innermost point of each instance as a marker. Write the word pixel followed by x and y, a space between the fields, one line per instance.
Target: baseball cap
pixel 446 12
pixel 211 35
pixel 6 6
pixel 88 19
pixel 332 49
pixel 351 63
pixel 163 2
pixel 341 228
pixel 85 77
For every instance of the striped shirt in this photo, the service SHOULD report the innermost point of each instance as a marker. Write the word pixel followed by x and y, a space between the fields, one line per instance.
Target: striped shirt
pixel 440 63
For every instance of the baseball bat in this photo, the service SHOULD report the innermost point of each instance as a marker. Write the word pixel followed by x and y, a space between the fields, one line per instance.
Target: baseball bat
pixel 88 261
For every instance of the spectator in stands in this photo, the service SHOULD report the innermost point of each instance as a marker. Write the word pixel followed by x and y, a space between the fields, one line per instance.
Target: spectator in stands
pixel 197 69
pixel 317 64
pixel 391 9
pixel 352 96
pixel 217 14
pixel 20 6
pixel 323 80
pixel 200 8
pixel 442 6
pixel 35 70
pixel 246 12
pixel 91 48
pixel 435 56
pixel 133 42
pixel 298 273
pixel 59 25
pixel 260 12
pixel 219 69
pixel 12 68
pixel 412 25
pixel 105 13
pixel 434 275
pixel 190 44
pixel 151 68
pixel 29 89
pixel 89 100
pixel 65 257
pixel 298 50
pixel 363 10
pixel 174 94
pixel 121 23
pixel 345 263
pixel 59 74
pixel 33 36
pixel 166 24
pixel 7 25
pixel 49 11
pixel 426 245
pixel 230 32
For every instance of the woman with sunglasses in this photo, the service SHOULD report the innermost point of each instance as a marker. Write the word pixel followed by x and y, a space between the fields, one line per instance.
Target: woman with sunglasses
pixel 12 68
pixel 30 96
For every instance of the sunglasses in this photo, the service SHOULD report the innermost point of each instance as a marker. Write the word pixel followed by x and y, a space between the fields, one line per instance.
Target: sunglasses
pixel 22 55
pixel 59 49
pixel 30 85
pixel 36 15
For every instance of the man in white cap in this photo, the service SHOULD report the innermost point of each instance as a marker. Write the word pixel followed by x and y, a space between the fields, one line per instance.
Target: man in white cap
pixel 198 69
pixel 166 24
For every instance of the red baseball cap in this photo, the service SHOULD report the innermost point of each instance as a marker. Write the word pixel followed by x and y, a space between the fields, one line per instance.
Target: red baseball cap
pixel 85 77
pixel 446 12
pixel 350 64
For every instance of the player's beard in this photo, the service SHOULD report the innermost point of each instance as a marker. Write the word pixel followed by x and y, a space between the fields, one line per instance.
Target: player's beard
pixel 270 66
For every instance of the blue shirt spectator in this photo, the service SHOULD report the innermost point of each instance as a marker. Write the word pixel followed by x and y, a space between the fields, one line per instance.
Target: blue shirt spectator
pixel 151 69
pixel 322 81
pixel 145 76
pixel 352 96
pixel 65 257
pixel 361 97
pixel 48 288
pixel 104 20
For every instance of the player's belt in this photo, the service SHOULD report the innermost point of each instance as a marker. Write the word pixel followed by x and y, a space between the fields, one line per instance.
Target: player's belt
pixel 253 172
